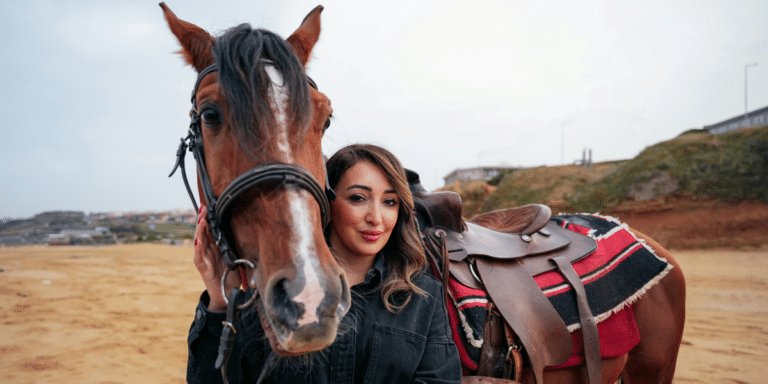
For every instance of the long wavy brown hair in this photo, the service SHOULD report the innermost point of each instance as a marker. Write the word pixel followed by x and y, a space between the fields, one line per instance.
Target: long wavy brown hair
pixel 403 254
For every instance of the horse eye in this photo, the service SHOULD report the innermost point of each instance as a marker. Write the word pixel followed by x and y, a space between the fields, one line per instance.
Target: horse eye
pixel 210 118
pixel 327 124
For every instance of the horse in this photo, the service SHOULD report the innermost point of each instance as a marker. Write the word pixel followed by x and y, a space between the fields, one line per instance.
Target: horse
pixel 456 244
pixel 257 121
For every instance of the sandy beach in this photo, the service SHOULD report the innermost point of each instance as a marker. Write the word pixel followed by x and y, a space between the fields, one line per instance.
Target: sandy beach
pixel 120 314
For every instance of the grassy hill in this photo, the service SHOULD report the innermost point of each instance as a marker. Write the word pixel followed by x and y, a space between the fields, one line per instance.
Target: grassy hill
pixel 718 181
pixel 731 166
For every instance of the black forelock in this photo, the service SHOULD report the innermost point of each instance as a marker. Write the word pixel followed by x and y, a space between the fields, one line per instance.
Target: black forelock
pixel 240 53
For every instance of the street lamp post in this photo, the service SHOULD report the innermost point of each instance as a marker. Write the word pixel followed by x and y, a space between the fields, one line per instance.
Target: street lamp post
pixel 562 141
pixel 746 111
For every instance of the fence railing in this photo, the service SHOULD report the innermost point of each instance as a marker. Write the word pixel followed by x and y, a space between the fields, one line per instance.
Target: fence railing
pixel 757 117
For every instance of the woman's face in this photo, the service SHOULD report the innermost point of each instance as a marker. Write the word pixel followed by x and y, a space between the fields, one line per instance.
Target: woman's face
pixel 364 212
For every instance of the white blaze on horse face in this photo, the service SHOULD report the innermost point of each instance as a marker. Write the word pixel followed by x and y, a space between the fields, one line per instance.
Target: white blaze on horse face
pixel 305 254
pixel 279 101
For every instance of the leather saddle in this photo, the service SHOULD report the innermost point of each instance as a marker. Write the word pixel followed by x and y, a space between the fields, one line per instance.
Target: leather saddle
pixel 500 252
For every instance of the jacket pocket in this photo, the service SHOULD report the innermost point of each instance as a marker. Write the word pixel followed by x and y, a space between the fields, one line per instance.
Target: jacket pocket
pixel 395 355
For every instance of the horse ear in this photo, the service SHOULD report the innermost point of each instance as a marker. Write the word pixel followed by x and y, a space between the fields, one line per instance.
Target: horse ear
pixel 303 39
pixel 196 44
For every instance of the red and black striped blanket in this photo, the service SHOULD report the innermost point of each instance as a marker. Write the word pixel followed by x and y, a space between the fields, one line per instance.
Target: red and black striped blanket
pixel 615 275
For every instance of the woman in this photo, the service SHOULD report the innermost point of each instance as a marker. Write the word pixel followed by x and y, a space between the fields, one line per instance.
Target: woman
pixel 397 328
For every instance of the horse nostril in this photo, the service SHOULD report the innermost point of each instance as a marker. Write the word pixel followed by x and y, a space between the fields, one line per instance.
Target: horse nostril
pixel 286 311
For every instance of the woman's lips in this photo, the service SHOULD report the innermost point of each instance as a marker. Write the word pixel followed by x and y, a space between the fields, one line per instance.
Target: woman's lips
pixel 371 235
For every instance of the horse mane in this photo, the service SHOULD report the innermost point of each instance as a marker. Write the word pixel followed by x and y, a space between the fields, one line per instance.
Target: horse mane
pixel 240 54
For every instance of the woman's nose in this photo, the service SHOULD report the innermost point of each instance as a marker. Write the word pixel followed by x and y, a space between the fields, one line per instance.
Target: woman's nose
pixel 374 214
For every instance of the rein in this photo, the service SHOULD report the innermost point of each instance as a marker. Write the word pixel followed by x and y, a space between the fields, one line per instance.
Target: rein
pixel 263 177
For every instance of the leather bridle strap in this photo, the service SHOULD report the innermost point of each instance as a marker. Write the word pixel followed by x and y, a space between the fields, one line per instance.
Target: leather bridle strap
pixel 192 136
pixel 273 173
pixel 195 140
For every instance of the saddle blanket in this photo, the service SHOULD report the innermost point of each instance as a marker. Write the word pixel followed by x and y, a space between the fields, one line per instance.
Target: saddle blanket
pixel 615 275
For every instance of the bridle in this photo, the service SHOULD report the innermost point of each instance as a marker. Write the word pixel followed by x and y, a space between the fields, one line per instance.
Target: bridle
pixel 263 177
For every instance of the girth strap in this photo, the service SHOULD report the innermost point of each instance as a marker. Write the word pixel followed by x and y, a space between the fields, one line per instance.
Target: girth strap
pixel 493 353
pixel 588 321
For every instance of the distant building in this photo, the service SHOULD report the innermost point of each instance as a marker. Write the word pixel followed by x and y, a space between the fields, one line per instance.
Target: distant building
pixel 754 118
pixel 474 174
pixel 98 235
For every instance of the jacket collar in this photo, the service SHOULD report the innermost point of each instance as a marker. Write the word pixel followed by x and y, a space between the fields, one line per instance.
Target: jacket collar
pixel 375 275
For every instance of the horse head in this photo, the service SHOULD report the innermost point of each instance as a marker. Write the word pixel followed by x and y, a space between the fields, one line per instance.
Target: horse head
pixel 256 130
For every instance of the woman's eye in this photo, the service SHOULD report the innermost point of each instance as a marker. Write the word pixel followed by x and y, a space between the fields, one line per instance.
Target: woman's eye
pixel 391 202
pixel 210 118
pixel 356 198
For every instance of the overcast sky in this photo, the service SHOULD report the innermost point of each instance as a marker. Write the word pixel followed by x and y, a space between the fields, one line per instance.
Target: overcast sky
pixel 93 99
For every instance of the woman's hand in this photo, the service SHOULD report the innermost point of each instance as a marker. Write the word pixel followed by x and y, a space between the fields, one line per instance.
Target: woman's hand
pixel 210 265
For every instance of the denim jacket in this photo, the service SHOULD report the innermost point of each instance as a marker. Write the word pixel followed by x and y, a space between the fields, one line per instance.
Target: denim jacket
pixel 373 345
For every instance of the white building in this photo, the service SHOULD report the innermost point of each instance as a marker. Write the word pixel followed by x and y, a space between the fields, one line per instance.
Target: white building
pixel 474 174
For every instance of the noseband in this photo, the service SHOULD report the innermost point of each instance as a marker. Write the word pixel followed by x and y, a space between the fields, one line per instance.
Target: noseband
pixel 263 177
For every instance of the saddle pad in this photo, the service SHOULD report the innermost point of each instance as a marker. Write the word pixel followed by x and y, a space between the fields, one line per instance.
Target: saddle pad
pixel 620 270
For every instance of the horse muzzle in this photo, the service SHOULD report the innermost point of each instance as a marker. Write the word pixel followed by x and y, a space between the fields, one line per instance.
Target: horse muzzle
pixel 302 314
